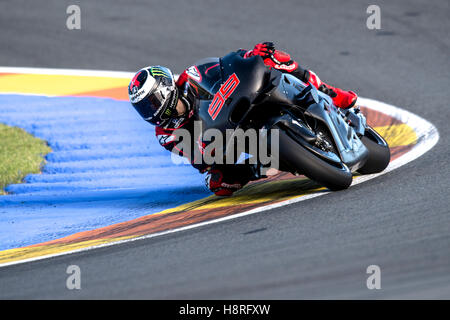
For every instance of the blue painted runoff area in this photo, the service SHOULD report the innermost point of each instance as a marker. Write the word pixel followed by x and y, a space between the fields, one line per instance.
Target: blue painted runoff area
pixel 106 167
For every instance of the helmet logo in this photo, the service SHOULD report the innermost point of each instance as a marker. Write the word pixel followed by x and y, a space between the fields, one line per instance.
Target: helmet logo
pixel 156 71
pixel 134 84
pixel 140 86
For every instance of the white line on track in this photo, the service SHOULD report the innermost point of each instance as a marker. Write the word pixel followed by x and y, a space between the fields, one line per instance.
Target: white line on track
pixel 68 72
pixel 427 135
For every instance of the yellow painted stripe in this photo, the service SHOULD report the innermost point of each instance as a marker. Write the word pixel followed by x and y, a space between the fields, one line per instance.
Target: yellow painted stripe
pixel 57 85
pixel 253 194
pixel 25 253
pixel 398 135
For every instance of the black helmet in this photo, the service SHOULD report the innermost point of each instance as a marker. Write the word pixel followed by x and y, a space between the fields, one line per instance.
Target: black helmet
pixel 153 94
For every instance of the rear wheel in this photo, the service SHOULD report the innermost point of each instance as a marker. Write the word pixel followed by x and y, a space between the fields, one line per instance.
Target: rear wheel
pixel 379 153
pixel 294 156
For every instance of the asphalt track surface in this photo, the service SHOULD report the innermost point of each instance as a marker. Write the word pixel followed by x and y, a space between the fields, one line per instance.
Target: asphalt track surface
pixel 319 248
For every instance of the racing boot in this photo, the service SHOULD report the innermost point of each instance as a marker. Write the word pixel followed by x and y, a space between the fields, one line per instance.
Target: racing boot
pixel 341 98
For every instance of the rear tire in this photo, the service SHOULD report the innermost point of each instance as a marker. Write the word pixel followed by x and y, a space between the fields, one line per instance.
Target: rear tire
pixel 379 153
pixel 299 159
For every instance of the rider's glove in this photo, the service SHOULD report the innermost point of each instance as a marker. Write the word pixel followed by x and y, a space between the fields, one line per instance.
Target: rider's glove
pixel 265 49
pixel 274 58
pixel 214 181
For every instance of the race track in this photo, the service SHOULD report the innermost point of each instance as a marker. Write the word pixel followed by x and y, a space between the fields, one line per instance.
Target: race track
pixel 318 248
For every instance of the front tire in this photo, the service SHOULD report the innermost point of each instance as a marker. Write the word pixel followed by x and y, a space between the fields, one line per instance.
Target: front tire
pixel 379 153
pixel 299 159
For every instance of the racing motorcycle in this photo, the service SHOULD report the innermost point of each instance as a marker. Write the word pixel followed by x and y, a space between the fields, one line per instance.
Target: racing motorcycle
pixel 315 138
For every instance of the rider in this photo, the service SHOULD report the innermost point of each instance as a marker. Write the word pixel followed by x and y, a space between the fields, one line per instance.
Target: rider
pixel 167 104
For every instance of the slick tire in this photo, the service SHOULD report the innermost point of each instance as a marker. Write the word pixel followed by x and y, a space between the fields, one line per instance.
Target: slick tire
pixel 379 153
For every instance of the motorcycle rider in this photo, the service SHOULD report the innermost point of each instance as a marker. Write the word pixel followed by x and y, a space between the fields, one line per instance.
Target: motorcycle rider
pixel 167 104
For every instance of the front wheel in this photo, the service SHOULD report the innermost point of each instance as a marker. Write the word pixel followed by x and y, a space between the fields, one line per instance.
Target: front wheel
pixel 299 159
pixel 379 153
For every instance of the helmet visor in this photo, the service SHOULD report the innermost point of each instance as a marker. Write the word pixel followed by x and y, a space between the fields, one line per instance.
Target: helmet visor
pixel 158 107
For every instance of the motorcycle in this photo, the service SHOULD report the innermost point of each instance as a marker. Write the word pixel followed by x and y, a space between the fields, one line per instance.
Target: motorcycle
pixel 315 138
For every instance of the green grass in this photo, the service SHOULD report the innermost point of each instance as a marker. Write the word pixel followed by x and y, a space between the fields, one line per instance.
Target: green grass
pixel 20 154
